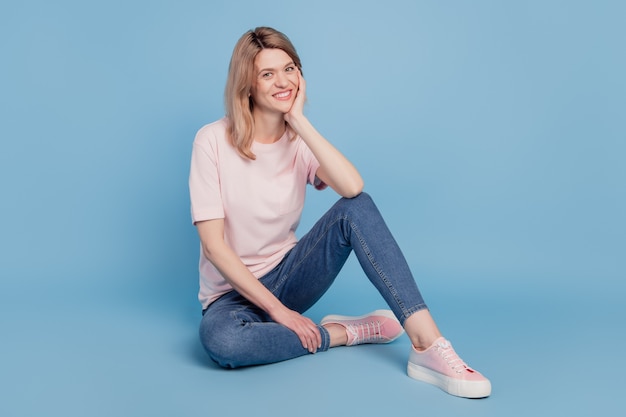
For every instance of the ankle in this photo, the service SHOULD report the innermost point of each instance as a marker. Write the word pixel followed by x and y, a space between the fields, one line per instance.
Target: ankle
pixel 337 333
pixel 421 344
pixel 422 330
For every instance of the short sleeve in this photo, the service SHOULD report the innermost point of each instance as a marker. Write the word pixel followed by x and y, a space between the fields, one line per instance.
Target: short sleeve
pixel 204 180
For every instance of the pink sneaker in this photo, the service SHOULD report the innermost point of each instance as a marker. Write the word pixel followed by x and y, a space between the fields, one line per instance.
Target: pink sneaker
pixel 440 365
pixel 379 326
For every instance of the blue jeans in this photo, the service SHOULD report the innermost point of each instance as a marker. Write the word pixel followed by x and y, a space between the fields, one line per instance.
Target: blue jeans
pixel 236 333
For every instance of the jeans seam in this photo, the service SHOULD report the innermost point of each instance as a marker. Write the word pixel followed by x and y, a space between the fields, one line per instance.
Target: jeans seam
pixel 380 273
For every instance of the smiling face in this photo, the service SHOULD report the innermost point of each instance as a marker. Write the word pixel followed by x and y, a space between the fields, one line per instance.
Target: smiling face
pixel 275 81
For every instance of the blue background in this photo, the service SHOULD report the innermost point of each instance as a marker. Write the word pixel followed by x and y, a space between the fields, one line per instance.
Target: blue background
pixel 491 134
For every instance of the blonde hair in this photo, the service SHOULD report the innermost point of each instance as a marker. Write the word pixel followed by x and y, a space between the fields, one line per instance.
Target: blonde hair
pixel 238 102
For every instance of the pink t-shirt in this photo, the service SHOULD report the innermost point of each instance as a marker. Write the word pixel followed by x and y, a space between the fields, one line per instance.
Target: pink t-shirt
pixel 260 200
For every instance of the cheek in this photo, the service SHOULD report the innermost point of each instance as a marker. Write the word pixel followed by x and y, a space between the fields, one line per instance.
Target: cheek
pixel 258 90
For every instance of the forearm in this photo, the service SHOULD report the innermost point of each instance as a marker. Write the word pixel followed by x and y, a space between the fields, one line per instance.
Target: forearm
pixel 335 169
pixel 230 266
pixel 241 279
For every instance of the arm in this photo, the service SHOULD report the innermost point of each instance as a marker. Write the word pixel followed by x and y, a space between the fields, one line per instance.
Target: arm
pixel 335 169
pixel 227 262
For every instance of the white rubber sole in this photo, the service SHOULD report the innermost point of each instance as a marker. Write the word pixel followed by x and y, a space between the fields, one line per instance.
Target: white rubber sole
pixel 457 387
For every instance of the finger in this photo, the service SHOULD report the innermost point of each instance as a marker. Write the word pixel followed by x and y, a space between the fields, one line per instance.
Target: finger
pixel 307 337
pixel 308 333
pixel 318 336
pixel 315 338
pixel 303 340
pixel 315 334
pixel 313 345
pixel 301 82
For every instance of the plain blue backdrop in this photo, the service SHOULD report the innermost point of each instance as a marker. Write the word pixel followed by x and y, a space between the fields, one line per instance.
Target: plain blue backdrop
pixel 491 134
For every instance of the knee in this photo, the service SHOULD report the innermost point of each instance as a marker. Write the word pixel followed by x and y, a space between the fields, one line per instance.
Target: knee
pixel 221 345
pixel 364 198
pixel 361 204
pixel 361 198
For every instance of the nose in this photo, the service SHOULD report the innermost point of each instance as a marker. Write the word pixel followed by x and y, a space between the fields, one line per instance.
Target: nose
pixel 280 80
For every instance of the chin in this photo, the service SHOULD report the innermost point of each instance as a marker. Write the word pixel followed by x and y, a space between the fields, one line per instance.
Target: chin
pixel 285 109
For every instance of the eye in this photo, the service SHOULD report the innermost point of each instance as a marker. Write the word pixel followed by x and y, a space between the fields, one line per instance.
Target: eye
pixel 266 75
pixel 290 68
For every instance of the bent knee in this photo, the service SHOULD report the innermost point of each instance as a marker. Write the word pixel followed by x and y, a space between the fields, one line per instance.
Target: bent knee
pixel 358 205
pixel 221 349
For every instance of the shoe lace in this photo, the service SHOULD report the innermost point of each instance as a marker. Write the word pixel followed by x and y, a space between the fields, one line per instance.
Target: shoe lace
pixel 365 332
pixel 446 351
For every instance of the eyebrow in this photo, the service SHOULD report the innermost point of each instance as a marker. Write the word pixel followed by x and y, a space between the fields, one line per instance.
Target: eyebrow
pixel 272 69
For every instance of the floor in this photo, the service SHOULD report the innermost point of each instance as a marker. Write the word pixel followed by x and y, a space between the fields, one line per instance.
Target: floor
pixel 126 357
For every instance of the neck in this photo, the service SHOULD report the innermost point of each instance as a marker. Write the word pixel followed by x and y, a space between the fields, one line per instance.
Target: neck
pixel 268 128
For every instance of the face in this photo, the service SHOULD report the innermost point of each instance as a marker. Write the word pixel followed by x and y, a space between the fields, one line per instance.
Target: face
pixel 276 81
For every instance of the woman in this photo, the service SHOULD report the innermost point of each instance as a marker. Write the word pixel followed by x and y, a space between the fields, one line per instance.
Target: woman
pixel 248 176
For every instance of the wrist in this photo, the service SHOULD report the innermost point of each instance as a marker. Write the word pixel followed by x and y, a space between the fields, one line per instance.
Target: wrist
pixel 274 308
pixel 297 122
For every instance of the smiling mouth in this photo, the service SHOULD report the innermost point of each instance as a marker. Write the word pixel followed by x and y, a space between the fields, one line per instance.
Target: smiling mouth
pixel 283 95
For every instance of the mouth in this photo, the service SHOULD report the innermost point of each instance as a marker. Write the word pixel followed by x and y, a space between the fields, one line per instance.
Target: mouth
pixel 283 95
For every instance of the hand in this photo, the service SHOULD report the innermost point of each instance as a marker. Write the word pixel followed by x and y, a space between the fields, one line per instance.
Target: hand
pixel 297 108
pixel 304 327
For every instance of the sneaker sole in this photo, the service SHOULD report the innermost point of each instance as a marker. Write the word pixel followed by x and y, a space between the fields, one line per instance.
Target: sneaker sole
pixel 384 313
pixel 459 388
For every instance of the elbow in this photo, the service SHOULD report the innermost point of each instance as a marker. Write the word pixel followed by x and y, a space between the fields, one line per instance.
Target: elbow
pixel 354 189
pixel 211 250
pixel 211 234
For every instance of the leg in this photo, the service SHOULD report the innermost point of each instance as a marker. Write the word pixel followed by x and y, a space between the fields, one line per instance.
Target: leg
pixel 421 329
pixel 432 358
pixel 236 333
pixel 354 224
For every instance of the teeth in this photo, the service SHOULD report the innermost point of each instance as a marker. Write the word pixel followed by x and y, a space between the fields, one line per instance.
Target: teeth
pixel 282 95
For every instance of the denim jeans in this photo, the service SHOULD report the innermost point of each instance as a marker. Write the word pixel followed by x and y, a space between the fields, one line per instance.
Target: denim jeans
pixel 236 333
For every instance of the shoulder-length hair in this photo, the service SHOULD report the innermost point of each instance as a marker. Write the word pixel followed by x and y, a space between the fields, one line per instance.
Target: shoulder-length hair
pixel 238 102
